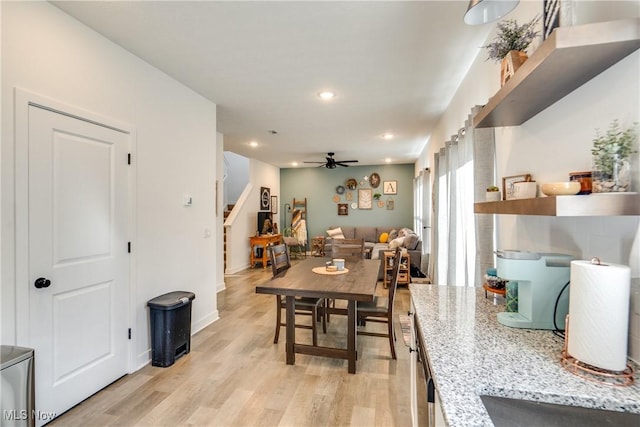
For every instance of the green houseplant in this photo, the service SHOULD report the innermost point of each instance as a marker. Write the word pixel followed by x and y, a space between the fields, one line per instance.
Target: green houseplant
pixel 511 36
pixel 611 153
pixel 493 194
pixel 510 44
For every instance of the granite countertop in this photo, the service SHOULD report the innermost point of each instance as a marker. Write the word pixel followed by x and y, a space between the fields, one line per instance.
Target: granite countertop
pixel 471 354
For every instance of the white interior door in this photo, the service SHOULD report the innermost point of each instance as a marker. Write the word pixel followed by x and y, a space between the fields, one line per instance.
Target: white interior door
pixel 78 257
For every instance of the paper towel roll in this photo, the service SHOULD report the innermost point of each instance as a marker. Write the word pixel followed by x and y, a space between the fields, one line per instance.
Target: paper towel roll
pixel 599 314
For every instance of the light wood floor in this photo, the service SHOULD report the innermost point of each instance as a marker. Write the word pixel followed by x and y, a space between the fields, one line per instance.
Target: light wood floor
pixel 235 376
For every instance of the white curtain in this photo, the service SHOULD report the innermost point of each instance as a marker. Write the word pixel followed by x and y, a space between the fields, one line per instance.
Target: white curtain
pixel 422 214
pixel 462 171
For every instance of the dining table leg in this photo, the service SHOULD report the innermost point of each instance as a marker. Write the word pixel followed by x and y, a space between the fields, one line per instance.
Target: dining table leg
pixel 290 329
pixel 351 336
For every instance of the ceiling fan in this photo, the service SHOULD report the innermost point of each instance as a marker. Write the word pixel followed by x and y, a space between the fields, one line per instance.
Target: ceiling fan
pixel 331 163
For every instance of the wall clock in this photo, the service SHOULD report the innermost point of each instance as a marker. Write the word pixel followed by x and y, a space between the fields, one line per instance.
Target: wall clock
pixel 365 198
pixel 265 199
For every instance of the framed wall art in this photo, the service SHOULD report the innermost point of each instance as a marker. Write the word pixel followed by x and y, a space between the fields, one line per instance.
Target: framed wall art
pixel 508 181
pixel 390 204
pixel 550 17
pixel 274 204
pixel 343 209
pixel 374 180
pixel 390 187
pixel 365 198
pixel 265 198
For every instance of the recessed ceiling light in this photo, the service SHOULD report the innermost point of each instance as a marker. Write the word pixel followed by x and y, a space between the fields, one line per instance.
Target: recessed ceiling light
pixel 326 95
pixel 388 135
pixel 294 163
pixel 253 143
pixel 387 160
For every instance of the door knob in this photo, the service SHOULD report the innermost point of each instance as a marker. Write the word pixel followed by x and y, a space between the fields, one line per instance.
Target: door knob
pixel 41 282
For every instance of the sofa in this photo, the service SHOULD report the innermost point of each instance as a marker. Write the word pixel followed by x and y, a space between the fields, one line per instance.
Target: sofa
pixel 372 244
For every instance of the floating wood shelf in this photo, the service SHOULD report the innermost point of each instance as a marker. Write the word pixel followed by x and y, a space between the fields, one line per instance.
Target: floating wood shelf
pixel 568 58
pixel 602 204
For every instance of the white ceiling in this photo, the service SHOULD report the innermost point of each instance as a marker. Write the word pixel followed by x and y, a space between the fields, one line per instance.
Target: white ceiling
pixel 394 65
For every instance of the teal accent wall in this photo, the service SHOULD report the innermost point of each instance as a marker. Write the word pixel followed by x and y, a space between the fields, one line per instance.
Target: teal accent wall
pixel 319 184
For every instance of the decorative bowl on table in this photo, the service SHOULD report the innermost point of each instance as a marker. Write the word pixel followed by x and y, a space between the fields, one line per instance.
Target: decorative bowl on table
pixel 561 188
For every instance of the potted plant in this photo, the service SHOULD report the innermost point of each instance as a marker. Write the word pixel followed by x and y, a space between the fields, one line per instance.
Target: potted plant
pixel 510 44
pixel 377 196
pixel 493 194
pixel 611 153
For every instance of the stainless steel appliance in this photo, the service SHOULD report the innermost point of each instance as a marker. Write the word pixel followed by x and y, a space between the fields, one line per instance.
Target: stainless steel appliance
pixel 425 403
pixel 17 388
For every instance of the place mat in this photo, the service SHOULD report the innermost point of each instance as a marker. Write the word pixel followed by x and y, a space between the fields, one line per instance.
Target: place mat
pixel 323 270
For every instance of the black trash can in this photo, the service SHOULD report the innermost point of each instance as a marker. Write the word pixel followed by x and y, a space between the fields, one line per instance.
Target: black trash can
pixel 170 316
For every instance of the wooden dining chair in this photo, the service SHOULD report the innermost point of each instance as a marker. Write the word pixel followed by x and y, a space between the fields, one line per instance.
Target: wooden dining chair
pixel 381 309
pixel 280 262
pixel 341 248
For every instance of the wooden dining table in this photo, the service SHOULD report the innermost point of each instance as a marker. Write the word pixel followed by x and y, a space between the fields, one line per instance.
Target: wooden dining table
pixel 359 284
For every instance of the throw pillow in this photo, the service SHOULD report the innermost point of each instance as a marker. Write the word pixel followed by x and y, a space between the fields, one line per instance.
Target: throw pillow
pixel 392 235
pixel 396 243
pixel 383 237
pixel 405 231
pixel 336 233
pixel 411 241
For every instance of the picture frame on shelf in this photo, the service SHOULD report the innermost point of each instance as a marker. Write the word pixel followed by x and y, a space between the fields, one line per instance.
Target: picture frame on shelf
pixel 507 184
pixel 390 187
pixel 550 17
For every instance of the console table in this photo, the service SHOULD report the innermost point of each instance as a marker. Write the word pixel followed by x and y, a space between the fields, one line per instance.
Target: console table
pixel 263 241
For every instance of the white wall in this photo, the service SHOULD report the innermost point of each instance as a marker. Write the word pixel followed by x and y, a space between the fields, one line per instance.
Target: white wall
pixel 49 53
pixel 242 223
pixel 220 212
pixel 237 170
pixel 556 142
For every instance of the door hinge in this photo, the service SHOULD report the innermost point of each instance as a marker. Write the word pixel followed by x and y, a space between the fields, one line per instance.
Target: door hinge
pixel 129 333
pixel 128 247
pixel 128 158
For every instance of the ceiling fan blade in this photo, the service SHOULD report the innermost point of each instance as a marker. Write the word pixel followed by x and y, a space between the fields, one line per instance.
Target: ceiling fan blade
pixel 331 163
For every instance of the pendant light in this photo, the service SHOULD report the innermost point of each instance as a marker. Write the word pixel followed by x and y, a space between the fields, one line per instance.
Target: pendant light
pixel 484 11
